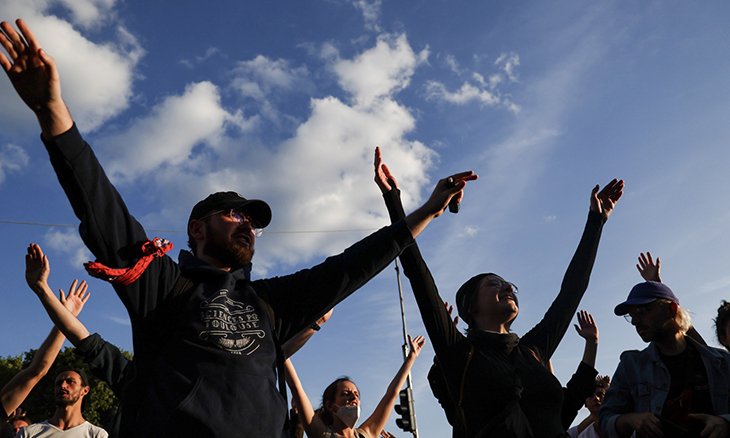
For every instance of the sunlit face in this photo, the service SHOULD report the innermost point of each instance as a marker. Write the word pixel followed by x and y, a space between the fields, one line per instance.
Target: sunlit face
pixel 69 388
pixel 496 299
pixel 345 395
pixel 229 239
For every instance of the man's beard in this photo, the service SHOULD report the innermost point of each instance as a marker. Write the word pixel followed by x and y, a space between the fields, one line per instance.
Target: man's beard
pixel 231 253
pixel 67 401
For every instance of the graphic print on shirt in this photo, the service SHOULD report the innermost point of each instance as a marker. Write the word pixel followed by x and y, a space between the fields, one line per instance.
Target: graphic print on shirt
pixel 231 325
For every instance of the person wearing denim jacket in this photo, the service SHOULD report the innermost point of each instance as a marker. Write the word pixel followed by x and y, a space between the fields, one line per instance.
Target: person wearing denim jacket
pixel 637 398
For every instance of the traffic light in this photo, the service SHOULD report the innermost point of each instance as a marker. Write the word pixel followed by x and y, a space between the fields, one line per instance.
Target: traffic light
pixel 405 409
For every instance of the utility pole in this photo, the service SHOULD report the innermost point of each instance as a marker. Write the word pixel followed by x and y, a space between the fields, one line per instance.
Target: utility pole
pixel 406 409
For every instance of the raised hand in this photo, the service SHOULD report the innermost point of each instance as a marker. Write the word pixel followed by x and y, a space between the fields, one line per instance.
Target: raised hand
pixel 603 202
pixel 31 71
pixel 382 173
pixel 77 296
pixel 35 78
pixel 37 267
pixel 647 268
pixel 415 345
pixel 450 309
pixel 586 327
pixel 446 189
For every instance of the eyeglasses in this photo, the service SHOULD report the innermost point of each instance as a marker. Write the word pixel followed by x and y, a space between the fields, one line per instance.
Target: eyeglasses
pixel 639 311
pixel 500 283
pixel 239 217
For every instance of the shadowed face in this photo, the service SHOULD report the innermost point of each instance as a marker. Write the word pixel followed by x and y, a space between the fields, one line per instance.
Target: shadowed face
pixel 594 402
pixel 69 388
pixel 651 320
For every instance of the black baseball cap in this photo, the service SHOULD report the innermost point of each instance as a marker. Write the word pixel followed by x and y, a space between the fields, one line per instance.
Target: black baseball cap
pixel 259 210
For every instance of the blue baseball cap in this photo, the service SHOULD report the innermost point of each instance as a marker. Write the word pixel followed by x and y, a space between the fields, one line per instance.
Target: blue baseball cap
pixel 645 293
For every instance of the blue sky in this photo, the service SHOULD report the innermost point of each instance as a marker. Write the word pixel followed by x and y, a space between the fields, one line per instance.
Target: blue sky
pixel 286 100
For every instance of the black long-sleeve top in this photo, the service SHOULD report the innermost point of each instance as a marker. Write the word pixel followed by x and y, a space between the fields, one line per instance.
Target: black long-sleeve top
pixel 507 388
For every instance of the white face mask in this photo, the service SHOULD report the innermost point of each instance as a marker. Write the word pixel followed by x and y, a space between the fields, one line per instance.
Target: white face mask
pixel 348 414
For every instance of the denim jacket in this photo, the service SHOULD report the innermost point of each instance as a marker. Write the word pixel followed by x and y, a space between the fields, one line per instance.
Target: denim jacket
pixel 641 384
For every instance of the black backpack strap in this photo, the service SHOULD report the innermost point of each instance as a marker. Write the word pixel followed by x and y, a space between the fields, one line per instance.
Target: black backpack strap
pixel 456 403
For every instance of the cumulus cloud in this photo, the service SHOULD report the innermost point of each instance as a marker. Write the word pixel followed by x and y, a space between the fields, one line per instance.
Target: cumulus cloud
pixel 269 81
pixel 168 134
pixel 380 71
pixel 68 243
pixel 97 78
pixel 88 13
pixel 12 159
pixel 318 181
pixel 258 77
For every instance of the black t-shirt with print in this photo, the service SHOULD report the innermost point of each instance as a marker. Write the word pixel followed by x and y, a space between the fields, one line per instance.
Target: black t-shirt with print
pixel 689 392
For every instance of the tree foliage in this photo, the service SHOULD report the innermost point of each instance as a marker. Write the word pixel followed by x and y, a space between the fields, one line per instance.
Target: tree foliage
pixel 99 405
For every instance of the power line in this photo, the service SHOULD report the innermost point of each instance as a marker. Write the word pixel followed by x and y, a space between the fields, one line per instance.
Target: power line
pixel 49 225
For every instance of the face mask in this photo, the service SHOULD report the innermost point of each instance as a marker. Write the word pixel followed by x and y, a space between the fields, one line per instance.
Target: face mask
pixel 348 415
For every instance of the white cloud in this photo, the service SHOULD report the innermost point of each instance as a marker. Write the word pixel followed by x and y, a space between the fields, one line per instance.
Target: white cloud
pixel 370 10
pixel 453 64
pixel 195 60
pixel 96 78
pixel 465 94
pixel 121 320
pixel 509 63
pixel 88 13
pixel 380 71
pixel 319 179
pixel 477 88
pixel 68 243
pixel 258 77
pixel 469 231
pixel 12 159
pixel 168 134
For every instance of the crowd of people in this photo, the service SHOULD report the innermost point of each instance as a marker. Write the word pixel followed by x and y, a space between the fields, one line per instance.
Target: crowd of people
pixel 212 346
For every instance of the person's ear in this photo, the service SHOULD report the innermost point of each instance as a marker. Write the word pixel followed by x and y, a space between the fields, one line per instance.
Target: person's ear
pixel 196 229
